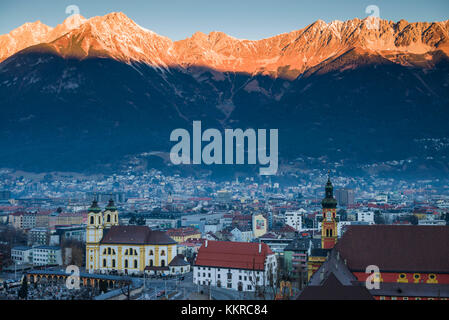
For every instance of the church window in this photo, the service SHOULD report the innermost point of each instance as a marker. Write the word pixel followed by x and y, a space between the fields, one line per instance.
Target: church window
pixel 113 251
pixel 115 218
pixel 113 263
pixel 109 250
pixel 91 220
pixel 108 218
pixel 126 263
pixel 163 253
pixel 163 263
pixel 104 262
pixel 98 220
pixel 151 263
pixel 151 252
pixel 330 233
pixel 135 264
pixel 126 252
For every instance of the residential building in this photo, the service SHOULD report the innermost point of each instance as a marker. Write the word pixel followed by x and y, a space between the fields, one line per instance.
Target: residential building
pixel 47 255
pixel 235 265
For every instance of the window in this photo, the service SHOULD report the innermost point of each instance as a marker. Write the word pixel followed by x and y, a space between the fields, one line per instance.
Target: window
pixel 113 263
pixel 151 263
pixel 163 253
pixel 104 262
pixel 91 220
pixel 108 218
pixel 163 263
pixel 135 264
pixel 151 252
pixel 126 263
pixel 109 250
pixel 218 276
pixel 208 275
pixel 249 287
pixel 240 277
pixel 229 285
pixel 199 274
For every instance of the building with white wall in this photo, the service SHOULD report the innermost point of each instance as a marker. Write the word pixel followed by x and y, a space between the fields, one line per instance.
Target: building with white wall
pixel 22 255
pixel 294 219
pixel 47 255
pixel 235 265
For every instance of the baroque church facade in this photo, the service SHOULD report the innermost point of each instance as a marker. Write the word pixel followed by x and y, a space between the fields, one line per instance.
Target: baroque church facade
pixel 111 248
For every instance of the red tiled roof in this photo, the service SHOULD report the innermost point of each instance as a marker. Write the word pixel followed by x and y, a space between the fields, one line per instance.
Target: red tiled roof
pixel 396 248
pixel 234 255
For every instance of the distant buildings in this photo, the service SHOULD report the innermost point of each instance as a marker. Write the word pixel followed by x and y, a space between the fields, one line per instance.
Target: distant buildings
pixel 22 220
pixel 294 219
pixel 47 255
pixel 344 197
pixel 183 234
pixel 5 195
pixel 259 225
pixel 242 234
pixel 22 255
pixel 235 265
pixel 37 256
pixel 38 236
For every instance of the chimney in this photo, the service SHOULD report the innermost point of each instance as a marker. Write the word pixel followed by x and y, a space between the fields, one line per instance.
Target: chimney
pixel 206 243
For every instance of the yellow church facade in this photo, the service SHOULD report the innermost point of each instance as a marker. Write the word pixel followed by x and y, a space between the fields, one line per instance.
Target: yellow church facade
pixel 111 248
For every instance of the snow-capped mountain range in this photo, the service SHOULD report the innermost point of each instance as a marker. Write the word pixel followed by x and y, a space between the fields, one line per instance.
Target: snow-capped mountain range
pixel 290 54
pixel 90 92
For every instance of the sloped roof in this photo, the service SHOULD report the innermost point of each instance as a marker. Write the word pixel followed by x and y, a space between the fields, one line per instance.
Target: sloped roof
pixel 135 235
pixel 178 261
pixel 332 289
pixel 234 255
pixel 396 248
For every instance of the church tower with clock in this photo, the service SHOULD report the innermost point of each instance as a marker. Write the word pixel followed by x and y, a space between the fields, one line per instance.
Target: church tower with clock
pixel 329 223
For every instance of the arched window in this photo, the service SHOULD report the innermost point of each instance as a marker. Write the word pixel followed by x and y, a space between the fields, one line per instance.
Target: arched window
pixel 92 220
pixel 104 251
pixel 113 251
pixel 108 218
pixel 151 252
pixel 327 232
pixel 113 263
pixel 135 264
pixel 126 252
pixel 109 250
pixel 104 262
pixel 163 253
pixel 99 220
pixel 162 263
pixel 126 263
pixel 115 218
pixel 330 233
pixel 151 263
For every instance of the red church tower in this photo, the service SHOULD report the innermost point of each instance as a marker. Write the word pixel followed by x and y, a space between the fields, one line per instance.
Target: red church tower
pixel 329 223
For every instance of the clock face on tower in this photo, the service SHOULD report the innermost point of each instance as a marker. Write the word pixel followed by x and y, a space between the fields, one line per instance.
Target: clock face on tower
pixel 329 216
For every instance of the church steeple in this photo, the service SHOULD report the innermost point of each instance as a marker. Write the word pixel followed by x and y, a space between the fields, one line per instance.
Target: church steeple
pixel 329 200
pixel 110 216
pixel 329 223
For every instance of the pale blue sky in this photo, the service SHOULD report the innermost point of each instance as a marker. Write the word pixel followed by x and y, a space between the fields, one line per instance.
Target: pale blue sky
pixel 249 19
